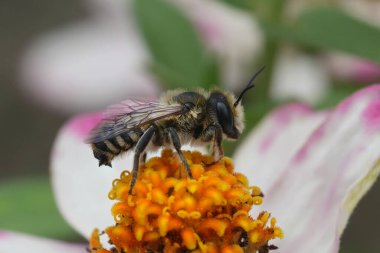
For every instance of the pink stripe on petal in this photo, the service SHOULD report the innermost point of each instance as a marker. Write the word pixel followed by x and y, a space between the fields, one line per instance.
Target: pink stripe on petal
pixel 3 234
pixel 313 139
pixel 83 124
pixel 282 117
pixel 371 116
pixel 346 104
pixel 285 114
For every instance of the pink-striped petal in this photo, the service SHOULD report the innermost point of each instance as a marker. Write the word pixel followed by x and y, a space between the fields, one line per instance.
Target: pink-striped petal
pixel 12 242
pixel 315 167
pixel 80 186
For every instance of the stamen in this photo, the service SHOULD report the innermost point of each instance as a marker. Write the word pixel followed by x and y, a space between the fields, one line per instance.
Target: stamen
pixel 171 213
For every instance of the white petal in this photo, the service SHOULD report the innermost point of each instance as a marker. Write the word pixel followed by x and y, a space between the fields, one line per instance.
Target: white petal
pixel 299 76
pixel 12 242
pixel 320 172
pixel 268 145
pixel 87 66
pixel 232 34
pixel 81 187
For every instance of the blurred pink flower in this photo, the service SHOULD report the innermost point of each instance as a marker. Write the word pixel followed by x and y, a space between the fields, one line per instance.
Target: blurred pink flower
pixel 351 68
pixel 103 58
pixel 313 168
pixel 347 67
pixel 294 67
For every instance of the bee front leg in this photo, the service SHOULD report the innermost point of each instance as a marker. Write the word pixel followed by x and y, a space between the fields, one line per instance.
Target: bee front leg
pixel 213 134
pixel 140 148
pixel 216 147
pixel 177 145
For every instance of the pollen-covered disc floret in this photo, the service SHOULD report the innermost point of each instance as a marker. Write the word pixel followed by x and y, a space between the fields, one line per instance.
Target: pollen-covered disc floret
pixel 169 212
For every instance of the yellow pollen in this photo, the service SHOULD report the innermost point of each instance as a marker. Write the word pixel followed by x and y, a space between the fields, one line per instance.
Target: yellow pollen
pixel 232 249
pixel 257 200
pixel 256 191
pixel 189 238
pixel 172 213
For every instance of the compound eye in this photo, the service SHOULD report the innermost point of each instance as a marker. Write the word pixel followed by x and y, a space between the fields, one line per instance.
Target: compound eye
pixel 224 116
pixel 187 107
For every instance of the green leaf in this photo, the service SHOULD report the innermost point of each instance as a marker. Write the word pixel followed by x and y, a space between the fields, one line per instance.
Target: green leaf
pixel 330 28
pixel 27 205
pixel 178 54
pixel 333 28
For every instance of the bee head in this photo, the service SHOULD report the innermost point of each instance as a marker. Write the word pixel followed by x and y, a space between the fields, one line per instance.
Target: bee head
pixel 229 111
pixel 230 118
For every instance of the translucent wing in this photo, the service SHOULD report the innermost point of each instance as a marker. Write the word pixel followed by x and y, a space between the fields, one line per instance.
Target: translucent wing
pixel 131 114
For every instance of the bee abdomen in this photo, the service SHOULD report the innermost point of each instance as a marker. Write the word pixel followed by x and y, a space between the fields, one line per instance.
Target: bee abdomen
pixel 106 150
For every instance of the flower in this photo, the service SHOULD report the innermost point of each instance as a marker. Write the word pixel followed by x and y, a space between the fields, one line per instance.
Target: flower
pixel 313 168
pixel 104 59
pixel 170 212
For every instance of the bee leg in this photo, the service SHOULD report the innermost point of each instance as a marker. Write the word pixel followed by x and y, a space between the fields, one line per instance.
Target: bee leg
pixel 177 145
pixel 216 147
pixel 213 134
pixel 143 158
pixel 140 147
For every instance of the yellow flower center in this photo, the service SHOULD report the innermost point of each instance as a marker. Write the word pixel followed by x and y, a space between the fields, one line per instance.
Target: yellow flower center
pixel 168 212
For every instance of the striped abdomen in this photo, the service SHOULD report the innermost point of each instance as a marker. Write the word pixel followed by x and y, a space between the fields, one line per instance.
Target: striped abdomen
pixel 108 149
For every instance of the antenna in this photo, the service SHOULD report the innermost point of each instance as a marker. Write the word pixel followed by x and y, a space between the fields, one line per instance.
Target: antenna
pixel 249 86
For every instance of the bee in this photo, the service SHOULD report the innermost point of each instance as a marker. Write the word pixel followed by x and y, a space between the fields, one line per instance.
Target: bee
pixel 179 117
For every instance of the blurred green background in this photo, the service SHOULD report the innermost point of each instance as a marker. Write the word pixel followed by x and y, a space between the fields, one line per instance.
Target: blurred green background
pixel 28 129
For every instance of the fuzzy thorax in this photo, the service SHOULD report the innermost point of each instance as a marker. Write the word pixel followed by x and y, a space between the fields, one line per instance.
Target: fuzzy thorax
pixel 169 212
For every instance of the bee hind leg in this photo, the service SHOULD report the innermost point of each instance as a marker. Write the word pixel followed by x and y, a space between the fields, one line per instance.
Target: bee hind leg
pixel 140 148
pixel 143 158
pixel 177 145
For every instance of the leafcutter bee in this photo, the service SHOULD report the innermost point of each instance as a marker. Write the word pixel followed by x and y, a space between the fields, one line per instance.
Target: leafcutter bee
pixel 179 117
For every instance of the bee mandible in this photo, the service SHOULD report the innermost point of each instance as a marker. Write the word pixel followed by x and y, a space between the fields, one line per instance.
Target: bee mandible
pixel 179 117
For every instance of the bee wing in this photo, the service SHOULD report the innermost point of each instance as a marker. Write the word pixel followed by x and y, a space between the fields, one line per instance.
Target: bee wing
pixel 130 114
